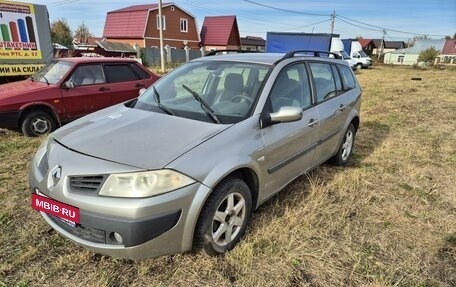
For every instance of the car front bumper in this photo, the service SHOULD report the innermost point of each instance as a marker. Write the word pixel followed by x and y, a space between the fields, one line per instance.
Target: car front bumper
pixel 133 228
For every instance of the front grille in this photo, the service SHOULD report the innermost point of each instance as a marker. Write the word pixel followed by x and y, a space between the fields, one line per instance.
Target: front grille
pixel 87 184
pixel 83 232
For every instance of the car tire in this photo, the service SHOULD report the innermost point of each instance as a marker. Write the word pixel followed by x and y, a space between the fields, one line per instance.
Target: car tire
pixel 359 66
pixel 345 150
pixel 224 217
pixel 37 123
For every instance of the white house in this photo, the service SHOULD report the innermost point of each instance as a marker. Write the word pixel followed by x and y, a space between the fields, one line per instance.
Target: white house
pixel 409 56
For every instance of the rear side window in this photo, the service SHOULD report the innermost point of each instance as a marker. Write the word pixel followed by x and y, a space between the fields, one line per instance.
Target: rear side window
pixel 141 73
pixel 337 78
pixel 347 77
pixel 120 73
pixel 323 78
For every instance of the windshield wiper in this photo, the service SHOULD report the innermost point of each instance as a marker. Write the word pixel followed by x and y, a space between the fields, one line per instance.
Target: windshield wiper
pixel 157 99
pixel 204 105
pixel 47 82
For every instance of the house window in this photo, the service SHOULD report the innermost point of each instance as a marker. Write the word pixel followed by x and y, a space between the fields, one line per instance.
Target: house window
pixel 164 22
pixel 184 25
pixel 400 59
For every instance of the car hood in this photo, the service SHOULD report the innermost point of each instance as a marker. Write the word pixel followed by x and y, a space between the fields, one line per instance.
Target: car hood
pixel 20 88
pixel 138 138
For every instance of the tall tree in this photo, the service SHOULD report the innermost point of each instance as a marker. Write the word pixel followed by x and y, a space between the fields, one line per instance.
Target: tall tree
pixel 61 33
pixel 82 33
pixel 412 41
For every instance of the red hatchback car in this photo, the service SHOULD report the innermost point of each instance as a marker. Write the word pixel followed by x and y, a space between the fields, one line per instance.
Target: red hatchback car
pixel 67 89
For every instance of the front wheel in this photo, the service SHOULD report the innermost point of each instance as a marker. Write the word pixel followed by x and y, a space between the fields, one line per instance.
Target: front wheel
pixel 224 217
pixel 346 148
pixel 36 123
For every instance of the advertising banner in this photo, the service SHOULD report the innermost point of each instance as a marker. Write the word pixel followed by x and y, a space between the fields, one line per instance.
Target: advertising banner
pixel 19 37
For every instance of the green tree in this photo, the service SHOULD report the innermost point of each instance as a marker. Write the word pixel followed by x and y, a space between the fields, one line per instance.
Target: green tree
pixel 61 33
pixel 82 33
pixel 428 55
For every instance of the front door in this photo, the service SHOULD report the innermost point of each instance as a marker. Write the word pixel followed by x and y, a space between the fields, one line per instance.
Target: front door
pixel 89 93
pixel 289 147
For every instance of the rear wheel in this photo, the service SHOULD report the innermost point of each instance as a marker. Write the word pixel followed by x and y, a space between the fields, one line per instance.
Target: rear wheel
pixel 36 123
pixel 346 148
pixel 224 217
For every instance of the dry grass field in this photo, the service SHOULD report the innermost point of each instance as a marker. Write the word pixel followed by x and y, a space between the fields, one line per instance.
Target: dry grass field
pixel 389 219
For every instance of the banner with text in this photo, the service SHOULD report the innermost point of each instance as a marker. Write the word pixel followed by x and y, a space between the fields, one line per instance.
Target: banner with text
pixel 18 32
pixel 19 70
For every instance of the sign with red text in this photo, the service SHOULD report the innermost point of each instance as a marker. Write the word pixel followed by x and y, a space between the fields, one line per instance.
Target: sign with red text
pixel 56 208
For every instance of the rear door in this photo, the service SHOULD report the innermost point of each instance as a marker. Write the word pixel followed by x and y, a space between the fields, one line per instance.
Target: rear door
pixel 332 107
pixel 289 147
pixel 124 81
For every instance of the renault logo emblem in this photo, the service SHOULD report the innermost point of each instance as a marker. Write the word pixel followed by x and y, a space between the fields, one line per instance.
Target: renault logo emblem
pixel 54 176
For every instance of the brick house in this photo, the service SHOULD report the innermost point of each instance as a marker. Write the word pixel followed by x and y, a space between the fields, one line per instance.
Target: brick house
pixel 139 24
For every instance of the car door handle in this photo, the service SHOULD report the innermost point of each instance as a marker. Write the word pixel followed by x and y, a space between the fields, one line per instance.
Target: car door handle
pixel 138 85
pixel 342 107
pixel 104 89
pixel 312 123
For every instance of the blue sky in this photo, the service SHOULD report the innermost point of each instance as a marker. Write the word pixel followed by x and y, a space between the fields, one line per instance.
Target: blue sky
pixel 402 19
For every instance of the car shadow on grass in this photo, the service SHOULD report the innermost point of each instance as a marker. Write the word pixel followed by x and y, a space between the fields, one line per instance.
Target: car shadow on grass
pixel 369 137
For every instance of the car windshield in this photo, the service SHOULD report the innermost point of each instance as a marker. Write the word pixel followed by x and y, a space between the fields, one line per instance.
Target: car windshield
pixel 52 73
pixel 362 54
pixel 213 91
pixel 345 55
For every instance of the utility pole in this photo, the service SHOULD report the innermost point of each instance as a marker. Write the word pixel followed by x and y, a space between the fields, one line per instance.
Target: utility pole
pixel 160 23
pixel 333 18
pixel 380 53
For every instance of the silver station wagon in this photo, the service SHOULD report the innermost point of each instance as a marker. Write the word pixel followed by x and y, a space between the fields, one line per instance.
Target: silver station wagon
pixel 183 166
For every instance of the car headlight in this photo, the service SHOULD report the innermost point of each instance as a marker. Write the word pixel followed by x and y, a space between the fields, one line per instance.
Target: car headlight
pixel 144 184
pixel 41 151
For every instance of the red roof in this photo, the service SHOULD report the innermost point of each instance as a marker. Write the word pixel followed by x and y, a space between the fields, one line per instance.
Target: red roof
pixel 220 31
pixel 129 22
pixel 364 42
pixel 449 47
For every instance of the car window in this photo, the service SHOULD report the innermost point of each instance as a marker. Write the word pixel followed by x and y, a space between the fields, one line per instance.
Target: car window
pixel 337 78
pixel 141 73
pixel 291 88
pixel 323 78
pixel 120 73
pixel 347 77
pixel 88 75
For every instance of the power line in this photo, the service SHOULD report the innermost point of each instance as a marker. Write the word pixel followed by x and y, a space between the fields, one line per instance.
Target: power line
pixel 246 19
pixel 63 2
pixel 377 28
pixel 285 10
pixel 381 28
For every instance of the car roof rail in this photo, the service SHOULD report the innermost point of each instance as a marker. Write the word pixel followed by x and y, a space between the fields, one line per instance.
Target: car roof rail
pixel 316 53
pixel 230 51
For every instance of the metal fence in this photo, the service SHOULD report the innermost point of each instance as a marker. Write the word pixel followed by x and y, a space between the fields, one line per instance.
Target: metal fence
pixel 151 56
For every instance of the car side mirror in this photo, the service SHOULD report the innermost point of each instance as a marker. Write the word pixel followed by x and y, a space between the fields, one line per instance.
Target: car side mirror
pixel 68 85
pixel 284 115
